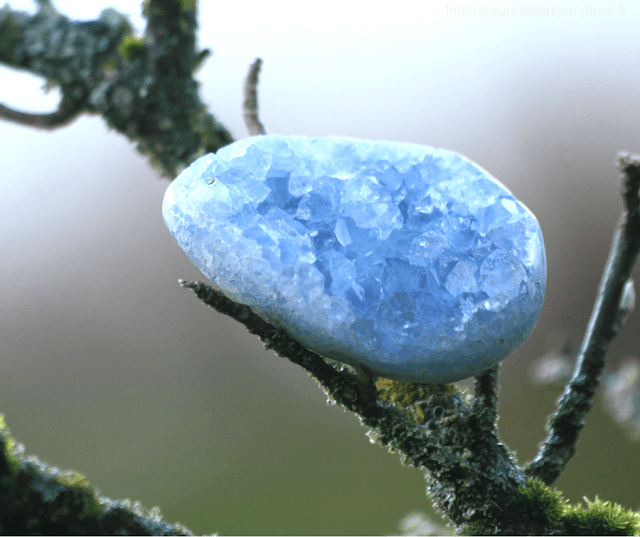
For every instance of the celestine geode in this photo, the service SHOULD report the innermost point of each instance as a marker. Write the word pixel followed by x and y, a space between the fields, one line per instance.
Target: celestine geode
pixel 410 261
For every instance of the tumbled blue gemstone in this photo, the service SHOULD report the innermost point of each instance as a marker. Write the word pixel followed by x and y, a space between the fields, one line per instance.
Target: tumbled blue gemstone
pixel 410 261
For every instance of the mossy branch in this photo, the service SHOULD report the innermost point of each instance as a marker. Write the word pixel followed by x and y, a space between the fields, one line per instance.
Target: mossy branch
pixel 38 499
pixel 142 86
pixel 431 426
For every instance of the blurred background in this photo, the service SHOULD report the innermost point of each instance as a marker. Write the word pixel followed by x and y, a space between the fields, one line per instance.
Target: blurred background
pixel 108 367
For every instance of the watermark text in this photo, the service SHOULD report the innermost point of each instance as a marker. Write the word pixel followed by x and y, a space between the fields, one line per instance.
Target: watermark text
pixel 535 10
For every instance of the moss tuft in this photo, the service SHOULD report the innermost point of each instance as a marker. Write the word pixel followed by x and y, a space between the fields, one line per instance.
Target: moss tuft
pixel 188 5
pixel 544 506
pixel 407 394
pixel 8 465
pixel 545 509
pixel 131 47
pixel 601 518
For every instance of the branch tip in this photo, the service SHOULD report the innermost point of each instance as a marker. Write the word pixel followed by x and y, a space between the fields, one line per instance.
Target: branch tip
pixel 65 114
pixel 629 165
pixel 251 119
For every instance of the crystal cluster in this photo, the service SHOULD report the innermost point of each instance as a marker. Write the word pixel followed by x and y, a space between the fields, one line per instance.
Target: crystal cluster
pixel 410 261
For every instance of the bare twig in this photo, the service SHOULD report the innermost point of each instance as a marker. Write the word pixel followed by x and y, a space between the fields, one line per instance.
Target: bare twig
pixel 251 119
pixel 485 404
pixel 272 337
pixel 608 313
pixel 67 111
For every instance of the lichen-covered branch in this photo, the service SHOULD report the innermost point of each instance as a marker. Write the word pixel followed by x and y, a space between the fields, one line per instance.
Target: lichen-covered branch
pixel 143 87
pixel 610 309
pixel 38 499
pixel 432 426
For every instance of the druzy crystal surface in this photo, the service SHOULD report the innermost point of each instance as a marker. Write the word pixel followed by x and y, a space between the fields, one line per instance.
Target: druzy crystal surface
pixel 411 261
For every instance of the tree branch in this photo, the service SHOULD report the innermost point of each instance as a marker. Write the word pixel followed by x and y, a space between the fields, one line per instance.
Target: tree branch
pixel 485 404
pixel 469 485
pixel 143 87
pixel 38 499
pixel 609 311
pixel 251 119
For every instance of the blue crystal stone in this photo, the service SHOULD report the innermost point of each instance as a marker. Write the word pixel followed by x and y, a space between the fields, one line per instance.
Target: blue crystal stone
pixel 410 261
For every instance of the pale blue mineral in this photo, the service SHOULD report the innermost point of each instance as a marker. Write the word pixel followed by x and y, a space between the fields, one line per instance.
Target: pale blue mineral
pixel 410 261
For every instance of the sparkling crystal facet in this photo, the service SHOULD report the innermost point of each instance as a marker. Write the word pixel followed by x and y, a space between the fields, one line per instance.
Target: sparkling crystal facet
pixel 411 261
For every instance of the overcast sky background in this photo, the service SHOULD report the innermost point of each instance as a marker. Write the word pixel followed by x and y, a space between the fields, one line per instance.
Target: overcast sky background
pixel 109 368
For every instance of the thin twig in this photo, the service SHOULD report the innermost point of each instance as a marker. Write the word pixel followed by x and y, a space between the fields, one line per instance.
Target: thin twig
pixel 64 115
pixel 251 119
pixel 484 441
pixel 272 337
pixel 485 404
pixel 565 425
